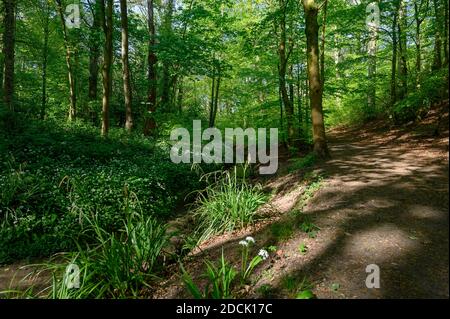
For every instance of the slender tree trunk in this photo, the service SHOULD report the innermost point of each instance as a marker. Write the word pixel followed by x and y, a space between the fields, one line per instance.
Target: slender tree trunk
pixel 437 62
pixel 107 17
pixel 299 100
pixel 291 88
pixel 322 49
pixel 418 21
pixel 283 54
pixel 446 34
pixel 2 60
pixel 150 122
pixel 315 87
pixel 394 57
pixel 94 52
pixel 127 90
pixel 213 99
pixel 180 95
pixel 216 97
pixel 70 71
pixel 402 62
pixel 372 68
pixel 9 41
pixel 166 81
pixel 45 60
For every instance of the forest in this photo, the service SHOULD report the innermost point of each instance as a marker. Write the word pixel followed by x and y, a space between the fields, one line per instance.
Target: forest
pixel 341 194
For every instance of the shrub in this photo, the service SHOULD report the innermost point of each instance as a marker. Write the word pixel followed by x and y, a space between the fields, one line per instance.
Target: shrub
pixel 433 89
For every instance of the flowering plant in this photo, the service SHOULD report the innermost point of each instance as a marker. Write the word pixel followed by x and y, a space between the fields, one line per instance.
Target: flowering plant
pixel 246 266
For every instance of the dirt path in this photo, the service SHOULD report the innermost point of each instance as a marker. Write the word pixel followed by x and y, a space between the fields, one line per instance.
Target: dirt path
pixel 384 201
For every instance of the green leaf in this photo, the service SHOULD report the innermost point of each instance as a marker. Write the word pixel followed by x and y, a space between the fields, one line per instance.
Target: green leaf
pixel 306 294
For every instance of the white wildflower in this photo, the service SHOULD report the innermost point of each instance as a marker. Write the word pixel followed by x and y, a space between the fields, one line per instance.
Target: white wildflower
pixel 250 240
pixel 243 243
pixel 263 254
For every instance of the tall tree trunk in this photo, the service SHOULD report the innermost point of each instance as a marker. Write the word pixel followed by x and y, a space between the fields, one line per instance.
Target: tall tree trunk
pixel 446 34
pixel 372 68
pixel 299 100
pixel 394 56
pixel 180 95
pixel 150 122
pixel 284 57
pixel 45 59
pixel 418 20
pixel 2 60
pixel 322 49
pixel 315 87
pixel 280 100
pixel 9 41
pixel 107 19
pixel 402 62
pixel 437 61
pixel 127 91
pixel 70 71
pixel 94 51
pixel 216 97
pixel 166 80
pixel 213 99
pixel 291 89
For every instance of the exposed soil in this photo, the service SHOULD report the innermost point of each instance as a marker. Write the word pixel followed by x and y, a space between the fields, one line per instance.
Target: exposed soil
pixel 384 201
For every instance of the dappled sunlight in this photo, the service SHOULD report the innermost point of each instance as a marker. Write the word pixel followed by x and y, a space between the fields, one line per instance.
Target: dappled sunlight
pixel 426 212
pixel 385 241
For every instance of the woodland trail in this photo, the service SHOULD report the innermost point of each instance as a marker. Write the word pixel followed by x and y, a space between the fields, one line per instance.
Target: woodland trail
pixel 385 203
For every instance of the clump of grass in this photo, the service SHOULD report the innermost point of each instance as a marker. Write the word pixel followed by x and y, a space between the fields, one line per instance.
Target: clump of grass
pixel 220 280
pixel 227 204
pixel 121 264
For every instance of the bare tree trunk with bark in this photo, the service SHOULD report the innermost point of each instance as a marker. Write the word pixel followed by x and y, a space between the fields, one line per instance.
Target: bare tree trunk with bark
pixel 150 122
pixel 107 19
pixel 437 61
pixel 9 41
pixel 46 13
pixel 315 87
pixel 94 51
pixel 126 74
pixel 284 54
pixel 402 53
pixel 394 56
pixel 70 70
